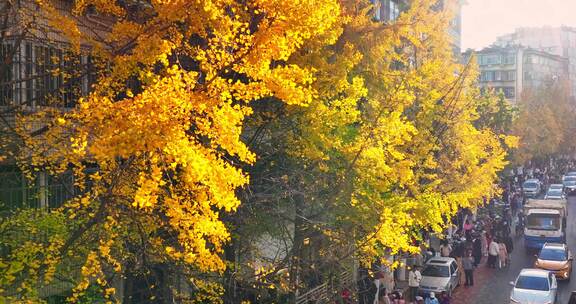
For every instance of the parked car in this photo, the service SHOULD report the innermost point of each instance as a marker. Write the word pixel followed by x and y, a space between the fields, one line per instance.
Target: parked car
pixel 534 286
pixel 555 193
pixel 439 274
pixel 532 188
pixel 557 258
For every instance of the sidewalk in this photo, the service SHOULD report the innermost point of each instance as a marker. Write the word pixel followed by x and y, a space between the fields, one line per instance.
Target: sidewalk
pixel 464 294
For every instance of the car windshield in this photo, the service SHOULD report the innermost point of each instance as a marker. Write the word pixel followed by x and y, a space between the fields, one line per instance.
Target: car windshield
pixel 550 254
pixel 554 192
pixel 436 271
pixel 530 185
pixel 543 221
pixel 570 183
pixel 570 178
pixel 532 283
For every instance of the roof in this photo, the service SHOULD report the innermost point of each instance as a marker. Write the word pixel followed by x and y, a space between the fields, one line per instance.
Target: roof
pixel 555 245
pixel 556 186
pixel 533 272
pixel 546 204
pixel 544 211
pixel 532 180
pixel 440 260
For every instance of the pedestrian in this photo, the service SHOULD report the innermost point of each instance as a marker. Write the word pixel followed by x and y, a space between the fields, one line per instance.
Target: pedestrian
pixel 419 300
pixel 444 298
pixel 468 228
pixel 502 254
pixel 509 244
pixel 431 299
pixel 493 251
pixel 414 278
pixel 468 265
pixel 445 249
pixel 477 250
pixel 484 241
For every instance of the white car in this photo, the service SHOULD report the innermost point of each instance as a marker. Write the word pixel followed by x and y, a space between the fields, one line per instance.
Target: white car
pixel 534 286
pixel 569 174
pixel 439 274
pixel 555 193
pixel 556 186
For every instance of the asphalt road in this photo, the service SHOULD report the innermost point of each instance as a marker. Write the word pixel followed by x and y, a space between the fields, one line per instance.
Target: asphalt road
pixel 495 288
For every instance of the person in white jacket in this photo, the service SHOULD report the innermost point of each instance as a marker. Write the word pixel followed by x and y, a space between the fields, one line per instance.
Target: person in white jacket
pixel 414 278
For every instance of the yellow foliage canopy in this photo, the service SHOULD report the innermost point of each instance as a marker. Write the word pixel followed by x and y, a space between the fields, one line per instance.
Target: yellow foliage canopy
pixel 162 124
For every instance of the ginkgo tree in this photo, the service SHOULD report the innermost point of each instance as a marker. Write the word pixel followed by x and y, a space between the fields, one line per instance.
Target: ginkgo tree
pixel 390 147
pixel 155 147
pixel 369 125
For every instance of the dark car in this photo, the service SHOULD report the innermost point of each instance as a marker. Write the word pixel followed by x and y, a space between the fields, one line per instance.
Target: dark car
pixel 569 183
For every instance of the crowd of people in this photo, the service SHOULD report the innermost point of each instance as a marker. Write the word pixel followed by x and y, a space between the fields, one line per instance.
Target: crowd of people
pixel 478 238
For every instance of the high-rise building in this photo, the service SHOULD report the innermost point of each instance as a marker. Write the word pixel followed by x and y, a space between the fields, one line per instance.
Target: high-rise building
pixel 560 41
pixel 513 69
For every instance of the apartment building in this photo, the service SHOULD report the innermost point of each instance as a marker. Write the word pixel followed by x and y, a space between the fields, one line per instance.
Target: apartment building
pixel 513 69
pixel 38 70
pixel 560 41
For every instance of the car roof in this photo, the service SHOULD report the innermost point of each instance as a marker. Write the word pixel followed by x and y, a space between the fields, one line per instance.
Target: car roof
pixel 440 261
pixel 556 186
pixel 532 180
pixel 554 245
pixel 570 173
pixel 533 272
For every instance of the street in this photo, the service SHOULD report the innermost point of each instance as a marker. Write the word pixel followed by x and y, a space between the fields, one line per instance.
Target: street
pixel 492 286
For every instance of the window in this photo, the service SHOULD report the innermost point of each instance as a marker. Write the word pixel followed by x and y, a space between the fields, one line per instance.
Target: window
pixel 543 222
pixel 6 77
pixel 436 271
pixel 551 254
pixel 453 268
pixel 487 76
pixel 394 10
pixel 489 59
pixel 498 75
pixel 511 75
pixel 29 71
pixel 377 9
pixel 532 283
pixel 42 75
pixel 16 191
pixel 509 58
pixel 509 92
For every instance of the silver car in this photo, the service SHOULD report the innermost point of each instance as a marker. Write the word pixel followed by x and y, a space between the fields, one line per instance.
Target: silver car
pixel 534 286
pixel 554 193
pixel 531 188
pixel 439 274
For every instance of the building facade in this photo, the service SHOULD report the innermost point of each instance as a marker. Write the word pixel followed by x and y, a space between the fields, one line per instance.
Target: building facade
pixel 560 41
pixel 513 69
